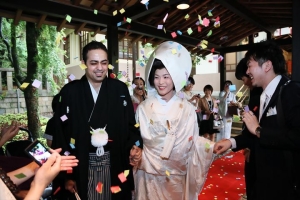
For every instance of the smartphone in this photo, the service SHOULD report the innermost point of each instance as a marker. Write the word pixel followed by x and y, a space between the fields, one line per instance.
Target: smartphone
pixel 38 152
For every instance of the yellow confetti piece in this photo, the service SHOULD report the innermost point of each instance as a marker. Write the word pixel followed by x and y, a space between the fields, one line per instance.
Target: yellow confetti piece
pixel 126 172
pixel 203 46
pixel 137 125
pixel 122 10
pixel 151 122
pixel 24 85
pixel 174 51
pixel 117 61
pixel 115 12
pixel 205 42
pixel 72 141
pixel 168 173
pixel 187 16
pixel 207 145
pixel 82 66
pixel 110 67
pixel 95 12
pixel 57 41
pixel 165 30
pixel 239 94
pixel 180 105
pixel 217 24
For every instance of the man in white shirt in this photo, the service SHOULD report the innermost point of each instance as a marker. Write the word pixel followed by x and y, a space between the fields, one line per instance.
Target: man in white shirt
pixel 277 143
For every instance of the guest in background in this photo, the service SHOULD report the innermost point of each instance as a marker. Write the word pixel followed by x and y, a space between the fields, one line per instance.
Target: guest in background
pixel 50 127
pixel 192 98
pixel 227 98
pixel 189 95
pixel 208 107
pixel 139 92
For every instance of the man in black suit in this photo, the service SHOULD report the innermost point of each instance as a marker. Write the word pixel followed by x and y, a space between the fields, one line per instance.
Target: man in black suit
pixel 253 105
pixel 277 142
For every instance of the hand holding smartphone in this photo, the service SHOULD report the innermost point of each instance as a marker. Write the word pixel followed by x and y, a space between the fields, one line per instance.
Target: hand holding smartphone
pixel 38 152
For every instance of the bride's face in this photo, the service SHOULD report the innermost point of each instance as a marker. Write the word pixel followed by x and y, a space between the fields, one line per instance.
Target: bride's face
pixel 164 84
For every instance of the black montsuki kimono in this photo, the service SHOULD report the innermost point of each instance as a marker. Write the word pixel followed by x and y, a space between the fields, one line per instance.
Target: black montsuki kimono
pixel 114 110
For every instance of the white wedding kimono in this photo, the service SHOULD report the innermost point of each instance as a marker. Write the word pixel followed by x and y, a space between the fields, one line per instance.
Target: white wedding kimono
pixel 182 175
pixel 5 193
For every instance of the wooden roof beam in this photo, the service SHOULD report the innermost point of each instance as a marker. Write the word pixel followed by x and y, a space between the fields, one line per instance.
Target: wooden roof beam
pixel 17 17
pixel 80 28
pixel 76 2
pixel 98 4
pixel 137 38
pixel 125 35
pixel 240 10
pixel 96 32
pixel 61 25
pixel 41 21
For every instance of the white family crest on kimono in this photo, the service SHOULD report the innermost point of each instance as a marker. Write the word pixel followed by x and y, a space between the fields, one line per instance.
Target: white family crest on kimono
pixel 99 139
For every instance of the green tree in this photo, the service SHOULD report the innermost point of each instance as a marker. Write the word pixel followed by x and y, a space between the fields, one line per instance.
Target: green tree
pixel 38 53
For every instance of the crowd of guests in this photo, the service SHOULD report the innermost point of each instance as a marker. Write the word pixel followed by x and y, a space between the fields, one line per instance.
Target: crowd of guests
pixel 164 135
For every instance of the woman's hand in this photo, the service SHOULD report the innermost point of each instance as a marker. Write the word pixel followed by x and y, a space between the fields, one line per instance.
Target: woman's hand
pixel 67 162
pixel 195 97
pixel 44 175
pixel 9 131
pixel 135 155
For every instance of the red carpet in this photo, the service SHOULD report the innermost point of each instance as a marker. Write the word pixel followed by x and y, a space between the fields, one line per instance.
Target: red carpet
pixel 225 179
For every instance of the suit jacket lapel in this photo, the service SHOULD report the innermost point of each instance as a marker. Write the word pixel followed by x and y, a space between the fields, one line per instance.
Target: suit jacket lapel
pixel 273 100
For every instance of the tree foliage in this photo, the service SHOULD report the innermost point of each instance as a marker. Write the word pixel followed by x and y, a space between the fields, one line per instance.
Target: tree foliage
pixel 33 53
pixel 49 53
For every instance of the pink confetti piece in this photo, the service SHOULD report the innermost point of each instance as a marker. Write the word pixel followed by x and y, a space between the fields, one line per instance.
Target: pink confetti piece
pixel 63 118
pixel 72 77
pixel 36 83
pixel 205 22
pixel 122 177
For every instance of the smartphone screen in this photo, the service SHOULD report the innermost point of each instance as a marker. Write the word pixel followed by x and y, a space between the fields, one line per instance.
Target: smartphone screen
pixel 38 152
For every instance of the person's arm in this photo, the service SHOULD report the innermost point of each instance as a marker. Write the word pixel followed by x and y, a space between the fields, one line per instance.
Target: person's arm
pixel 44 176
pixel 29 170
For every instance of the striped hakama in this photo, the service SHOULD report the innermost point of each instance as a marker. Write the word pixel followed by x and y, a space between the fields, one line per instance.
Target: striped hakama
pixel 99 171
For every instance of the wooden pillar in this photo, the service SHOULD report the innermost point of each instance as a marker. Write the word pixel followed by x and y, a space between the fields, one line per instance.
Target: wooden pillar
pixel 113 44
pixel 134 57
pixel 222 70
pixel 250 39
pixel 296 41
